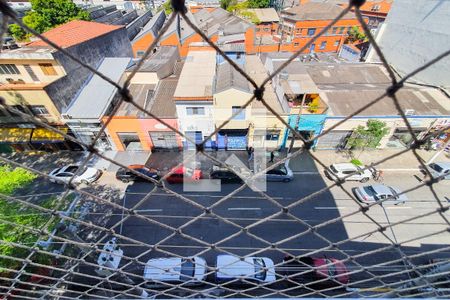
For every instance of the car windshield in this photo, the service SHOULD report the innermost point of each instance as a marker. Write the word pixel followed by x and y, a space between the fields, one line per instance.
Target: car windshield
pixel 436 167
pixel 393 193
pixel 332 271
pixel 369 190
pixel 187 269
pixel 72 169
pixel 260 273
pixel 332 168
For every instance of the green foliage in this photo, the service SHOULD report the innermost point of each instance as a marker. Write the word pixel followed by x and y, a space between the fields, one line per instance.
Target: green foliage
pixel 369 136
pixel 47 14
pixel 167 7
pixel 258 3
pixel 356 162
pixel 355 35
pixel 314 105
pixel 14 216
pixel 17 32
pixel 225 4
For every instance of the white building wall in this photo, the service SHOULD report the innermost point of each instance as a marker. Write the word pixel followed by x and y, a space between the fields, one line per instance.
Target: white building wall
pixel 203 123
pixel 416 32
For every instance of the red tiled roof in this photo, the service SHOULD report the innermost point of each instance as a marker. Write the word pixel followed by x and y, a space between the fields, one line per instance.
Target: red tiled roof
pixel 74 32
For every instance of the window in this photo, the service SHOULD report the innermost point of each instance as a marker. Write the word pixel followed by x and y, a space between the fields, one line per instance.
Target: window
pixel 349 28
pixel 334 30
pixel 257 29
pixel 323 45
pixel 239 116
pixel 140 53
pixel 296 44
pixel 272 135
pixel 260 271
pixel 298 30
pixel 341 30
pixel 336 43
pixel 195 111
pixel 48 69
pixel 39 110
pixel 312 47
pixel 375 8
pixel 266 29
pixel 31 72
pixel 9 69
pixel 311 31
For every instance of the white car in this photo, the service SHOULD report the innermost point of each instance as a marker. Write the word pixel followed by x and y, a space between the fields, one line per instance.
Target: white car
pixel 259 269
pixel 176 270
pixel 87 176
pixel 439 170
pixel 341 170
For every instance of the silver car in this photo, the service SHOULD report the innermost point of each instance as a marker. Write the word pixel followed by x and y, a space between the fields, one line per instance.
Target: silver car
pixel 87 175
pixel 378 192
pixel 175 270
pixel 281 173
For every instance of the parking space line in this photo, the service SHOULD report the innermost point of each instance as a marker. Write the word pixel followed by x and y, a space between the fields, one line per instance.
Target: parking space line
pixel 244 208
pixel 330 207
pixel 147 210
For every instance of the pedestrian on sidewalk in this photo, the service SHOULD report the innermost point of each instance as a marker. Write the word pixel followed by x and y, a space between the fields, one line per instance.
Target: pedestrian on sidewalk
pixel 379 175
pixel 251 154
pixel 272 156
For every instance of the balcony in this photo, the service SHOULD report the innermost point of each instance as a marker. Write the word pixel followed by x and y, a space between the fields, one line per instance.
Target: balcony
pixel 312 104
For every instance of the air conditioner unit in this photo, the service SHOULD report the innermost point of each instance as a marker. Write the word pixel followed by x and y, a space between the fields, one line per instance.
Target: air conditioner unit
pixel 66 116
pixel 409 112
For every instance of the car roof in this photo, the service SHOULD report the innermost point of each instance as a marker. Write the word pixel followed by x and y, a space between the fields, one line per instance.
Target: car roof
pixel 443 164
pixel 345 166
pixel 381 189
pixel 234 266
pixel 136 166
pixel 163 268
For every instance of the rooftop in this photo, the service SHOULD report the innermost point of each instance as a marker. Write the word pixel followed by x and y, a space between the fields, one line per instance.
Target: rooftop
pixel 164 106
pixel 265 14
pixel 255 68
pixel 384 6
pixel 164 56
pixel 74 33
pixel 228 77
pixel 154 25
pixel 96 96
pixel 142 95
pixel 425 102
pixel 316 11
pixel 197 75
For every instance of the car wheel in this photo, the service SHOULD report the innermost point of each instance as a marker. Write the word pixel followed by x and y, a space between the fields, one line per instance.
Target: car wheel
pixel 365 179
pixel 286 180
pixel 125 180
pixel 85 182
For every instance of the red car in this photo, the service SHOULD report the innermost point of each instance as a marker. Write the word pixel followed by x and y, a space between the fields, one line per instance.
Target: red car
pixel 325 267
pixel 184 174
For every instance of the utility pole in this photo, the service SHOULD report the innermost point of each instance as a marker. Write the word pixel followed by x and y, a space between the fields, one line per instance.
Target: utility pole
pixel 291 145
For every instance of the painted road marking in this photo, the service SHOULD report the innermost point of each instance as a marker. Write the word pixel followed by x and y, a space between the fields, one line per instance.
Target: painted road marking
pixel 148 210
pixel 212 196
pixel 244 208
pixel 330 207
pixel 398 207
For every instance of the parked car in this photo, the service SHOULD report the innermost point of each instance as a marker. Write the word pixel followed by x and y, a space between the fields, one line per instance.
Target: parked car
pixel 184 174
pixel 125 175
pixel 341 170
pixel 175 270
pixel 86 176
pixel 438 170
pixel 226 175
pixel 256 269
pixel 321 267
pixel 377 192
pixel 281 173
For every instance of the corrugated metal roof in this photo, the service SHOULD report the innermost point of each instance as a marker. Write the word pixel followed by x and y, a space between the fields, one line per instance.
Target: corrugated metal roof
pixel 97 94
pixel 164 106
pixel 227 77
pixel 316 11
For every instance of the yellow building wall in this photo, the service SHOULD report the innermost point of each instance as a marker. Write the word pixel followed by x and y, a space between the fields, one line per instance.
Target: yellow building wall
pixel 223 103
pixel 34 64
pixel 33 97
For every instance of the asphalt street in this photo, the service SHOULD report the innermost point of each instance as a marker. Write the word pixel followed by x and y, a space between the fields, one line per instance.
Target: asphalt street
pixel 273 232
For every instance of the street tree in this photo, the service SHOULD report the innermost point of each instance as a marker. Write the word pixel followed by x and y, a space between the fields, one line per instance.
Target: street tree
pixel 367 137
pixel 47 14
pixel 167 7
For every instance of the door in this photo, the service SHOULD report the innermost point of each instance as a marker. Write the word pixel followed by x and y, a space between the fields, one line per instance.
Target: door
pixel 163 140
pixel 193 135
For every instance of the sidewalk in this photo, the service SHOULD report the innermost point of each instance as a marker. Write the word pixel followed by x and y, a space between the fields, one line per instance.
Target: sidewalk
pixel 404 162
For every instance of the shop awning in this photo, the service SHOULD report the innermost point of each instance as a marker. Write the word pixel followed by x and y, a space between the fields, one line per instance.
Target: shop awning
pixel 15 135
pixel 43 135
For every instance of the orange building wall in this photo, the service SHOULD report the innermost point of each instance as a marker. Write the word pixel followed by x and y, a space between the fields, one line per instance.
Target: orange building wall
pixel 143 43
pixel 266 29
pixel 126 124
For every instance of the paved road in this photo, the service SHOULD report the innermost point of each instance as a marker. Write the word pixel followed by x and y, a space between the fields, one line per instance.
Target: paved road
pixel 289 232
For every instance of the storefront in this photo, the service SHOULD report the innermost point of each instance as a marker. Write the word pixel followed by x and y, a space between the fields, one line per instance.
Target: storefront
pixel 232 139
